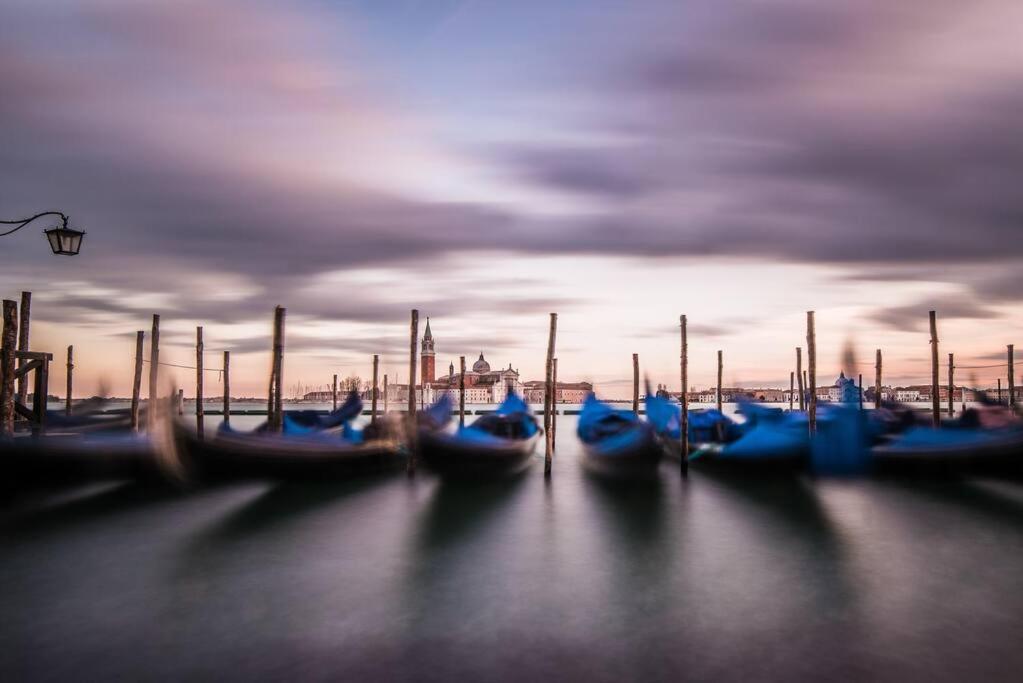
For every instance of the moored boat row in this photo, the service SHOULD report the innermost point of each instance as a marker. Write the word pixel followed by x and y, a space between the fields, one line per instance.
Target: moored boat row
pixel 615 444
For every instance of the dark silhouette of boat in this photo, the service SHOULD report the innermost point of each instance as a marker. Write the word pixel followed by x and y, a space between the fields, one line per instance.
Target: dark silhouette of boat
pixel 500 443
pixel 617 443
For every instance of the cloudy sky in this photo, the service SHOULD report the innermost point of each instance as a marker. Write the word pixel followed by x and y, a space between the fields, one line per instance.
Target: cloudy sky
pixel 617 161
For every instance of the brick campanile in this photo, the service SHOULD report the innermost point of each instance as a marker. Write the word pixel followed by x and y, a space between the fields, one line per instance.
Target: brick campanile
pixel 428 358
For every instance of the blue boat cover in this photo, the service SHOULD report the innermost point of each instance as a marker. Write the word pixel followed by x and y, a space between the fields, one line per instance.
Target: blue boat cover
pixel 439 414
pixel 925 439
pixel 513 419
pixel 705 425
pixel 769 435
pixel 841 445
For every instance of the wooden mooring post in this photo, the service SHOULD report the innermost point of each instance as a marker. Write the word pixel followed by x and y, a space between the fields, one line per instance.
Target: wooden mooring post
pixel 39 363
pixel 136 386
pixel 554 408
pixel 549 395
pixel 800 378
pixel 154 366
pixel 70 380
pixel 199 413
pixel 181 402
pixel 24 317
pixel 811 362
pixel 373 409
pixel 413 341
pixel 721 366
pixel 333 394
pixel 859 385
pixel 275 406
pixel 227 387
pixel 877 379
pixel 792 388
pixel 461 391
pixel 385 393
pixel 684 399
pixel 1012 377
pixel 951 383
pixel 635 384
pixel 8 345
pixel 411 414
pixel 14 367
pixel 935 398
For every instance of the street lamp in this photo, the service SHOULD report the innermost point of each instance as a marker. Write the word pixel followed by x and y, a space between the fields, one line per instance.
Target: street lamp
pixel 64 241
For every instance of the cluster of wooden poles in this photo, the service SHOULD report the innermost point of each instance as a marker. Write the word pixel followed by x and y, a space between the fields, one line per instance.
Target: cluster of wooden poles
pixel 16 336
pixel 17 362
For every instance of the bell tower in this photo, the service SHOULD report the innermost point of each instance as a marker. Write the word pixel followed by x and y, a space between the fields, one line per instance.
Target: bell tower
pixel 427 356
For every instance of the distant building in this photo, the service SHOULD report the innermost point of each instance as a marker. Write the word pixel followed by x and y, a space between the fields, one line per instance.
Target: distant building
pixel 482 384
pixel 565 392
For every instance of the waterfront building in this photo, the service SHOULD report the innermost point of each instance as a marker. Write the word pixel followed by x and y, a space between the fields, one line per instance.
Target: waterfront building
pixel 565 392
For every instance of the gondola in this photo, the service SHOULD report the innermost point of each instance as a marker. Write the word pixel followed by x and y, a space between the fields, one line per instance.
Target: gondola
pixel 501 443
pixel 80 458
pixel 297 454
pixel 309 421
pixel 988 441
pixel 706 426
pixel 771 441
pixel 616 443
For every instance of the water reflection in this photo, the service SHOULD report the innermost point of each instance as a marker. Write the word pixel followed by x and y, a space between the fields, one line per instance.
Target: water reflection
pixel 459 508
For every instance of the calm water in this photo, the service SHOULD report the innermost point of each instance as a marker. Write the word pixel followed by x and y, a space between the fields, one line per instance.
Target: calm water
pixel 397 579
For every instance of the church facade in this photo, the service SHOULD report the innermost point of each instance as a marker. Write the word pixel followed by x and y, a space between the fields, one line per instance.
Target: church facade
pixel 482 383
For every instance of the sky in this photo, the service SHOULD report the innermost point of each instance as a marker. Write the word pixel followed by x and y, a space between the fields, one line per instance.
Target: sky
pixel 619 162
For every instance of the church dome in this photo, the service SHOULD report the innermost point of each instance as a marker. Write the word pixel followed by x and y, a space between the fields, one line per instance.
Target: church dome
pixel 481 365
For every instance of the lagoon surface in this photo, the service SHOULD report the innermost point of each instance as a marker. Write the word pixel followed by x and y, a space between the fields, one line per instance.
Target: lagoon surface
pixel 569 578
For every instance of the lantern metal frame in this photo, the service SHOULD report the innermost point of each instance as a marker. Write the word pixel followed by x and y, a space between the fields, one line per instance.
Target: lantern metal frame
pixel 63 241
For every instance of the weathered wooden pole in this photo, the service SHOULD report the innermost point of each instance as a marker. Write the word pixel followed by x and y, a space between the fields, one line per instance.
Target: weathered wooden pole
pixel 1012 377
pixel 413 341
pixel 70 378
pixel 792 388
pixel 227 387
pixel 373 410
pixel 136 386
pixel 553 408
pixel 333 393
pixel 181 402
pixel 811 362
pixel 24 316
pixel 877 380
pixel 461 391
pixel 199 413
pixel 385 393
pixel 635 384
pixel 8 345
pixel 951 383
pixel 800 378
pixel 999 390
pixel 154 365
pixel 684 399
pixel 411 416
pixel 278 368
pixel 549 395
pixel 721 366
pixel 860 387
pixel 935 398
